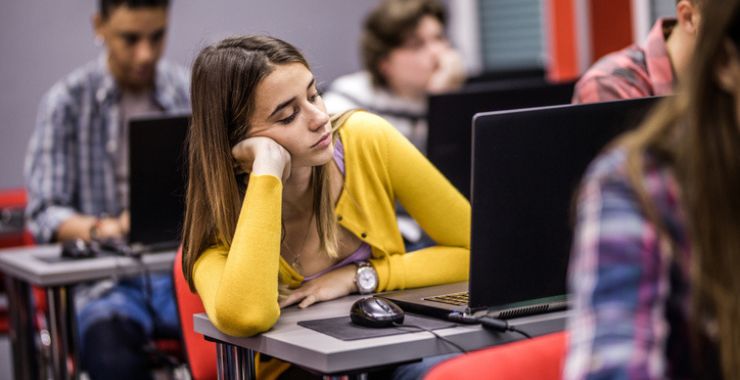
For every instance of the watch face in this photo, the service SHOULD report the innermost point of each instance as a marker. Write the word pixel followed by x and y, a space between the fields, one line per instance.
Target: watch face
pixel 366 279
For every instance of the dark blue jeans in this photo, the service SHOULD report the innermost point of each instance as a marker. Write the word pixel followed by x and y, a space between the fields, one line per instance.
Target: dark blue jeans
pixel 116 329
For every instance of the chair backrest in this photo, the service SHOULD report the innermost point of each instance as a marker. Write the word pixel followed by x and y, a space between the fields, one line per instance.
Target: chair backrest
pixel 13 234
pixel 200 353
pixel 12 221
pixel 539 358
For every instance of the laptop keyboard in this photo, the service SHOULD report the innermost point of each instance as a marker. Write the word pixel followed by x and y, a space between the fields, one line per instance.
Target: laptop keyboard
pixel 457 299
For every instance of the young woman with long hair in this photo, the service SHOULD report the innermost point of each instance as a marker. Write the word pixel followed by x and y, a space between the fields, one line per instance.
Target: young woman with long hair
pixel 287 205
pixel 657 249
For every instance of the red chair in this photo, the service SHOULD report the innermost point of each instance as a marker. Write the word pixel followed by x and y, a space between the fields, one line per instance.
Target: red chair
pixel 12 206
pixel 200 353
pixel 12 234
pixel 540 358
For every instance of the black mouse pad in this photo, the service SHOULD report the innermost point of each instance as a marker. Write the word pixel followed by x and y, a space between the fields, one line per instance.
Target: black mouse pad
pixel 342 327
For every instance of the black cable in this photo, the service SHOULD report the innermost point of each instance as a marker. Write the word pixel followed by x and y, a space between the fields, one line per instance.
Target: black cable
pixel 121 248
pixel 516 330
pixel 139 259
pixel 396 324
pixel 501 325
pixel 148 290
pixel 150 348
pixel 497 324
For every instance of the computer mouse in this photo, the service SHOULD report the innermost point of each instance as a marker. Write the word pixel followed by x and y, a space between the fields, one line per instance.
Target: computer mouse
pixel 375 312
pixel 76 249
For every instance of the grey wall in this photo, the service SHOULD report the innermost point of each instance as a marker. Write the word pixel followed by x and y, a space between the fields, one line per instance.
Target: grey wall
pixel 41 41
pixel 661 8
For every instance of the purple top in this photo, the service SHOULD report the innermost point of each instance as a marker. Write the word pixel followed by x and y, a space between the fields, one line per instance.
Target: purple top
pixel 363 252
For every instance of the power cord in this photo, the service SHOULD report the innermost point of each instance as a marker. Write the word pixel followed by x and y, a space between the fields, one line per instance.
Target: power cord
pixel 136 254
pixel 489 322
pixel 121 248
pixel 80 249
pixel 419 328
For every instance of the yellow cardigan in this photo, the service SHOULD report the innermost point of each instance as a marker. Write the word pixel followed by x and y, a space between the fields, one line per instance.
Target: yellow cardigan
pixel 239 284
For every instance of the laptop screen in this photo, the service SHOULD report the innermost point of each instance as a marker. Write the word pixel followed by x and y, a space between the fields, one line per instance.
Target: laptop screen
pixel 526 169
pixel 157 172
pixel 450 115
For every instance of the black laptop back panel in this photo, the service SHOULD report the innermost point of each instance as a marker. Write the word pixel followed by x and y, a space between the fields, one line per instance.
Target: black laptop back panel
pixel 450 119
pixel 527 166
pixel 157 173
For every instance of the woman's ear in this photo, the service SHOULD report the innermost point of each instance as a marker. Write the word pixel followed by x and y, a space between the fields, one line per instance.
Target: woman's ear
pixel 728 70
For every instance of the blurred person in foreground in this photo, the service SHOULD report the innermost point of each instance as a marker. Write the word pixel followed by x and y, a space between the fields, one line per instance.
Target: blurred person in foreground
pixel 656 249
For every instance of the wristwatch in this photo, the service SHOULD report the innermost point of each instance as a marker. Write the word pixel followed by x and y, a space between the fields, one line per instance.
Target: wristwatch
pixel 366 278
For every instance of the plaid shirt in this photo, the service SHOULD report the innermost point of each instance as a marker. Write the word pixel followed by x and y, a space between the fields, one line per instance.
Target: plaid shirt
pixel 634 72
pixel 630 292
pixel 70 164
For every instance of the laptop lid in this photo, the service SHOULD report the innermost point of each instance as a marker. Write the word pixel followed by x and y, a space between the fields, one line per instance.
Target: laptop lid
pixel 450 119
pixel 527 165
pixel 526 170
pixel 157 172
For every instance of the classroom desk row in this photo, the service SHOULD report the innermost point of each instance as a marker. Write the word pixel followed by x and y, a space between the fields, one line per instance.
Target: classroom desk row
pixel 42 266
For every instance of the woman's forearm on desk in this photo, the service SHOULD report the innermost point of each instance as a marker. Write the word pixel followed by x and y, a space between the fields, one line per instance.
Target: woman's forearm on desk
pixel 239 284
pixel 439 209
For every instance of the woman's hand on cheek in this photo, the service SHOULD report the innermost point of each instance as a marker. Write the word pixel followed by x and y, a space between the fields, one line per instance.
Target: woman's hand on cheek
pixel 335 284
pixel 262 155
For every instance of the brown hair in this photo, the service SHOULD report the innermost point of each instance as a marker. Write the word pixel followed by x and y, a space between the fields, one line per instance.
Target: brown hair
pixel 696 134
pixel 388 26
pixel 225 76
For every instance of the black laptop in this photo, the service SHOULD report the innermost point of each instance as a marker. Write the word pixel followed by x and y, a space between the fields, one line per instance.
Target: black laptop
pixel 527 165
pixel 450 119
pixel 157 172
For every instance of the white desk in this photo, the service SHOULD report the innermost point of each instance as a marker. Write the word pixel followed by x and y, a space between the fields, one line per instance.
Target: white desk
pixel 332 357
pixel 42 266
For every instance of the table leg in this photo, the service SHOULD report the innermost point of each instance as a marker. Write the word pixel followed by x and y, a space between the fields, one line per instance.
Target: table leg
pixel 22 335
pixel 60 315
pixel 237 363
pixel 220 361
pixel 233 362
pixel 243 363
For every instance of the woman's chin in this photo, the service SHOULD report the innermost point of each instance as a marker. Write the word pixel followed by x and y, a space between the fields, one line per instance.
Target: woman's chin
pixel 323 157
pixel 313 161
